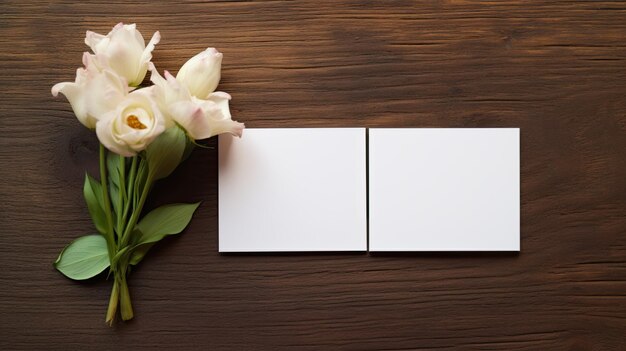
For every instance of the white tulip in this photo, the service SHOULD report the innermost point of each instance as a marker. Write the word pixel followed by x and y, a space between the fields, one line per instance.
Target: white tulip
pixel 167 90
pixel 201 73
pixel 124 51
pixel 93 93
pixel 201 118
pixel 133 125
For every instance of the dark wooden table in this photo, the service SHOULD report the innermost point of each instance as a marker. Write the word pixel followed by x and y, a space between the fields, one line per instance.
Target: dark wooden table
pixel 555 69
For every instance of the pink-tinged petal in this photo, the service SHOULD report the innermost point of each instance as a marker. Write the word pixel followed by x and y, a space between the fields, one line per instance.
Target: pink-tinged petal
pixel 170 78
pixel 220 124
pixel 146 55
pixel 103 92
pixel 192 118
pixel 93 93
pixel 228 126
pixel 155 76
pixel 147 52
pixel 93 63
pixel 221 99
pixel 92 39
pixel 203 119
pixel 168 90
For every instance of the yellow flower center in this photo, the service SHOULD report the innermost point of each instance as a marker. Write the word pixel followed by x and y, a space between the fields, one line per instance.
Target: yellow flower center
pixel 133 122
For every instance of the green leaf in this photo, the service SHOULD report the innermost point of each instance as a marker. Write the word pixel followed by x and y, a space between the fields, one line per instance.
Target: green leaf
pixel 165 220
pixel 114 177
pixel 83 258
pixel 140 182
pixel 189 146
pixel 113 167
pixel 166 152
pixel 114 193
pixel 139 253
pixel 92 190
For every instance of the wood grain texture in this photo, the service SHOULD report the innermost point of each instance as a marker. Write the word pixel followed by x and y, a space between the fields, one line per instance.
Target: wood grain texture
pixel 556 69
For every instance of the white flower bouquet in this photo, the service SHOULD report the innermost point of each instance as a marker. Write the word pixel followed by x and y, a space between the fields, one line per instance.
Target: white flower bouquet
pixel 144 134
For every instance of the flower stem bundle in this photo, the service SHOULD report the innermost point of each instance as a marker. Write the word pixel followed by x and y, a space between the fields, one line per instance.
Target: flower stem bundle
pixel 144 134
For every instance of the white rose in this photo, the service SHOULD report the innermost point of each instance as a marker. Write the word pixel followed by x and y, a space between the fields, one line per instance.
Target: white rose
pixel 201 73
pixel 133 125
pixel 124 51
pixel 201 118
pixel 93 93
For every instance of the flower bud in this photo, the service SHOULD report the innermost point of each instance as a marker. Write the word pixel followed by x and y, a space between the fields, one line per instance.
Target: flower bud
pixel 201 73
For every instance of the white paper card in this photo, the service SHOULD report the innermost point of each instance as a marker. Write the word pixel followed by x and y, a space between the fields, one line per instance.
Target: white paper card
pixel 440 189
pixel 293 189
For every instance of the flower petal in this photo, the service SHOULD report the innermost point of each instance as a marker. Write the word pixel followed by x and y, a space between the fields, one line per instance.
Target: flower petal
pixel 92 39
pixel 106 135
pixel 146 55
pixel 203 119
pixel 103 92
pixel 116 131
pixel 221 99
pixel 191 117
pixel 73 91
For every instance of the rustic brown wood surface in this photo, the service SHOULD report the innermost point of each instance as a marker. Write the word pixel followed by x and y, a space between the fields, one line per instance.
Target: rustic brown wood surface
pixel 555 69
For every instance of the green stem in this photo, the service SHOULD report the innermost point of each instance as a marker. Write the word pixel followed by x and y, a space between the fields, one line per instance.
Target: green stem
pixel 131 189
pixel 113 302
pixel 120 197
pixel 136 212
pixel 126 307
pixel 107 203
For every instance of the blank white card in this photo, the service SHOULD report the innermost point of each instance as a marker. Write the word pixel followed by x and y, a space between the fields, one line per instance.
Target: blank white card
pixel 293 189
pixel 440 189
